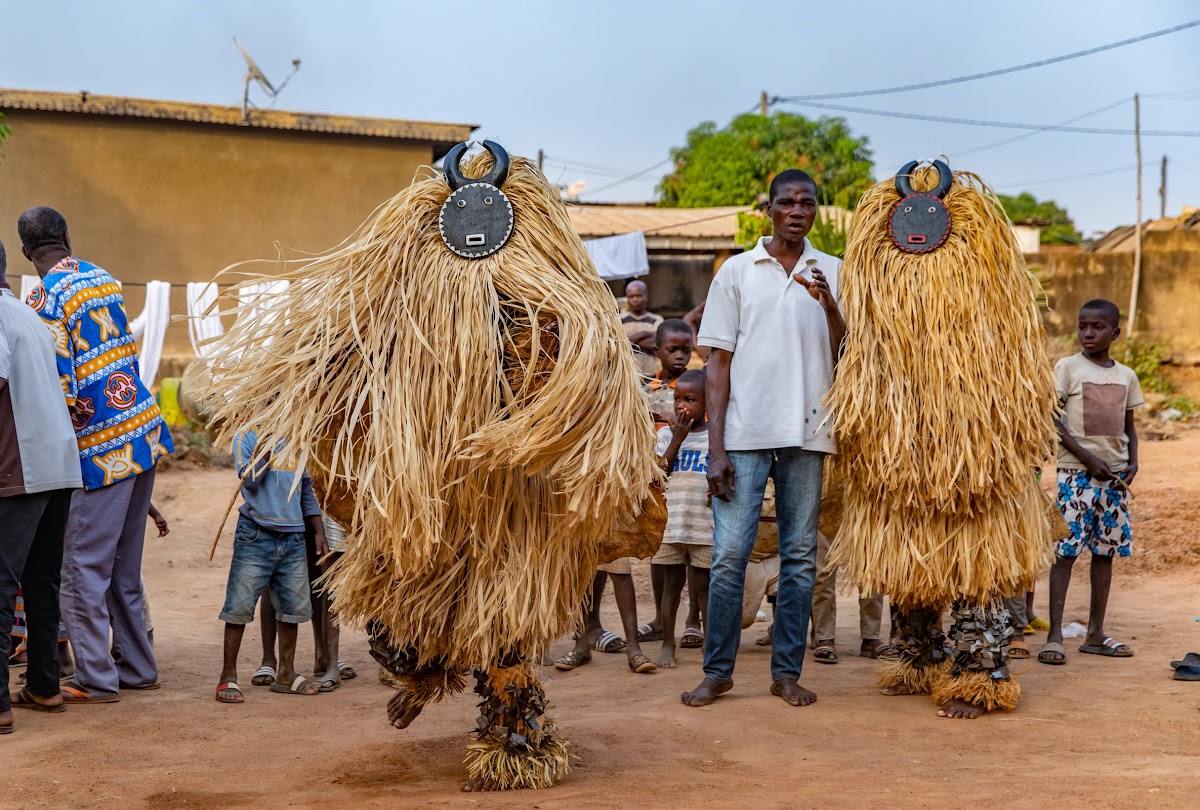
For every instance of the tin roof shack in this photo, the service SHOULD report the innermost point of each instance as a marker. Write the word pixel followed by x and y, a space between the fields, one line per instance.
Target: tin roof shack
pixel 176 191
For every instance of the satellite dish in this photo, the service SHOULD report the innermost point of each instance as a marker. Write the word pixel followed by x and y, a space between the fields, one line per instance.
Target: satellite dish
pixel 255 74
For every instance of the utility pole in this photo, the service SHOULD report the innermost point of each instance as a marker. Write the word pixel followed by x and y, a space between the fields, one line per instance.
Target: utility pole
pixel 1162 190
pixel 762 104
pixel 541 159
pixel 1137 228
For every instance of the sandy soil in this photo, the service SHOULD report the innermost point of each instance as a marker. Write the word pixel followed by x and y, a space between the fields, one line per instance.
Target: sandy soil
pixel 1097 732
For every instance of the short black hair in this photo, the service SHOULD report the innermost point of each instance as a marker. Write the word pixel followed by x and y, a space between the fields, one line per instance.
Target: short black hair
pixel 787 177
pixel 671 326
pixel 1104 307
pixel 692 375
pixel 41 226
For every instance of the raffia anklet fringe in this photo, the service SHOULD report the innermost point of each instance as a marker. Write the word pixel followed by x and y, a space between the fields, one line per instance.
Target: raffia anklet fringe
pixel 918 681
pixel 979 689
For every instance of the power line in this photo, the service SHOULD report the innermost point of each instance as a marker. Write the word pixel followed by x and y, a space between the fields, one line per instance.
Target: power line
pixel 990 73
pixel 941 119
pixel 627 179
pixel 1025 135
pixel 1101 173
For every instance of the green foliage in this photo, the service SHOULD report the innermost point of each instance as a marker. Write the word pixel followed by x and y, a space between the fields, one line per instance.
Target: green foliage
pixel 735 164
pixel 1146 358
pixel 1024 207
pixel 5 131
pixel 1185 404
pixel 826 236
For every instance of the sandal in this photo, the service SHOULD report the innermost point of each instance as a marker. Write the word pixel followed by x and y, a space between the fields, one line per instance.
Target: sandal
pixel 572 660
pixel 24 700
pixel 874 648
pixel 1111 648
pixel 641 664
pixel 609 642
pixel 74 693
pixel 1052 653
pixel 264 677
pixel 327 685
pixel 1018 650
pixel 647 633
pixel 299 686
pixel 825 654
pixel 346 671
pixel 233 693
pixel 692 639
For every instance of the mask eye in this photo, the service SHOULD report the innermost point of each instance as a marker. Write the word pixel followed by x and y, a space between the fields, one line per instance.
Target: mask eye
pixel 462 203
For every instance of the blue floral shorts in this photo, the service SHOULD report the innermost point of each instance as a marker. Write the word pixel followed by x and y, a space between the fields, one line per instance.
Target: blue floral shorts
pixel 1097 513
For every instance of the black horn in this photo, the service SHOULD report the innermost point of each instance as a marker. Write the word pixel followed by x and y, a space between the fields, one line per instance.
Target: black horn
pixel 945 179
pixel 904 179
pixel 451 165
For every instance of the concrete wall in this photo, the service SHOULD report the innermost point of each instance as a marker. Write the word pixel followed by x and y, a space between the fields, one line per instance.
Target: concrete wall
pixel 173 201
pixel 1169 300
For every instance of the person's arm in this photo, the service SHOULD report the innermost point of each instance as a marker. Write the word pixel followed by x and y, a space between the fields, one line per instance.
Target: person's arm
pixel 694 319
pixel 716 394
pixel 245 451
pixel 679 432
pixel 312 515
pixel 160 522
pixel 818 288
pixel 644 341
pixel 1131 469
pixel 1096 467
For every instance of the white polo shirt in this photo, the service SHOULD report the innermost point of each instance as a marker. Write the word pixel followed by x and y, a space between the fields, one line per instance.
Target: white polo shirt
pixel 779 336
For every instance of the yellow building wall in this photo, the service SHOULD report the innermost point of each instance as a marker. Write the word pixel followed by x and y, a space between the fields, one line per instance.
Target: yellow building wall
pixel 172 201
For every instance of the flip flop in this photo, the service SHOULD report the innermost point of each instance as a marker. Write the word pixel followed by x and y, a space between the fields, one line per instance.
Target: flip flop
pixel 1040 624
pixel 73 693
pixel 346 671
pixel 647 633
pixel 327 685
pixel 692 639
pixel 825 654
pixel 641 664
pixel 1190 660
pixel 1187 672
pixel 876 650
pixel 609 642
pixel 264 677
pixel 24 700
pixel 1051 649
pixel 572 660
pixel 297 687
pixel 230 686
pixel 1111 648
pixel 1018 650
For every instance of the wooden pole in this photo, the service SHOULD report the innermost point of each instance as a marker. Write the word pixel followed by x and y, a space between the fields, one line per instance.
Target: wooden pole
pixel 762 104
pixel 1162 189
pixel 1137 228
pixel 541 159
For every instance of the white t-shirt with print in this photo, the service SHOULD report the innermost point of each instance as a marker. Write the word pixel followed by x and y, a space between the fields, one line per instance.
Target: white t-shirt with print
pixel 689 517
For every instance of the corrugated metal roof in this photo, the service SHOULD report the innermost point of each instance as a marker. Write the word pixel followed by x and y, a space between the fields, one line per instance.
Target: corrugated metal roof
pixel 594 221
pixel 88 104
pixel 1121 239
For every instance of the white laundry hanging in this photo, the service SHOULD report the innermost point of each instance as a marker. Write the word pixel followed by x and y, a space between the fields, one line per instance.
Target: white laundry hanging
pixel 149 329
pixel 255 301
pixel 622 256
pixel 203 325
pixel 28 283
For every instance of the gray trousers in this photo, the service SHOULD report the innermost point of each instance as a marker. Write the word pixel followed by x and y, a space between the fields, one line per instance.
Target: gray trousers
pixel 102 586
pixel 824 611
pixel 1016 612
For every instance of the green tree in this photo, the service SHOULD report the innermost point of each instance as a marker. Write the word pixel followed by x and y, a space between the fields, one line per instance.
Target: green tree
pixel 4 133
pixel 1060 229
pixel 735 164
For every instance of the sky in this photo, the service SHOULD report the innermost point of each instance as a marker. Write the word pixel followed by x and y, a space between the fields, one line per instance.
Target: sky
pixel 607 88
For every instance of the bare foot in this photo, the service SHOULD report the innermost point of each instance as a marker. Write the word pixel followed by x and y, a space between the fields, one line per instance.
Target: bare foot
pixel 666 657
pixel 704 694
pixel 6 721
pixel 792 692
pixel 480 785
pixel 401 710
pixel 895 690
pixel 960 709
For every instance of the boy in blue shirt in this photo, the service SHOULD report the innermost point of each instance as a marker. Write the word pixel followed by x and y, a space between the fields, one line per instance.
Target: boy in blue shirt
pixel 269 553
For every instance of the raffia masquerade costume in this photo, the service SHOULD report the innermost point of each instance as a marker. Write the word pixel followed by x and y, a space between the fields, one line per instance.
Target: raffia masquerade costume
pixel 942 410
pixel 457 383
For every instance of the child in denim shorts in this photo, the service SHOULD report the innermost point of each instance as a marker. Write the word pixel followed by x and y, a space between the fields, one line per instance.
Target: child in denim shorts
pixel 269 554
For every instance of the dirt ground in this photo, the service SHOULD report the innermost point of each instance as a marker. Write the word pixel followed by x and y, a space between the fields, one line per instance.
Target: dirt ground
pixel 1096 733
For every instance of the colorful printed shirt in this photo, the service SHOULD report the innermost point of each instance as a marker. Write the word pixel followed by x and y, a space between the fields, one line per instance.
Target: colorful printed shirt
pixel 118 426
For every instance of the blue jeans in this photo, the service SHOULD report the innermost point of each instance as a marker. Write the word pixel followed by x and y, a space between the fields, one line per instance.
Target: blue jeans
pixel 262 559
pixel 797 474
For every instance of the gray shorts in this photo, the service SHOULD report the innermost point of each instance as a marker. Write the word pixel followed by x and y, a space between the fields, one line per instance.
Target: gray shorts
pixel 262 559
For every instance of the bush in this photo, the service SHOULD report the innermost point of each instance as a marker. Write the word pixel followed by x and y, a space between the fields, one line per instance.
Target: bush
pixel 1146 358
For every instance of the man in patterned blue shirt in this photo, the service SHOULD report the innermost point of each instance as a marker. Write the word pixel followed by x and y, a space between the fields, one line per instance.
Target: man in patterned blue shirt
pixel 121 435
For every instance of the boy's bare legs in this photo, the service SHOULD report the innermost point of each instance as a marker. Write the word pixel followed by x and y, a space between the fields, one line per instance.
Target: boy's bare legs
pixel 233 643
pixel 589 621
pixel 266 626
pixel 657 577
pixel 627 606
pixel 694 616
pixel 1060 581
pixel 1101 585
pixel 698 591
pixel 673 581
pixel 288 633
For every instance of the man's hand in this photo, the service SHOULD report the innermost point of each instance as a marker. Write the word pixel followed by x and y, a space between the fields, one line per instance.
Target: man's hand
pixel 720 475
pixel 160 523
pixel 818 288
pixel 320 542
pixel 646 341
pixel 1097 468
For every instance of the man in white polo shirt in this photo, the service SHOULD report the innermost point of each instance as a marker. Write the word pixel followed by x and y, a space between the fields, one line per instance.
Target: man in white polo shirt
pixel 39 467
pixel 773 324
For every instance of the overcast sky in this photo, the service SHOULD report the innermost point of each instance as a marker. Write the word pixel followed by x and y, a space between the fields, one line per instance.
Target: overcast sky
pixel 615 84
